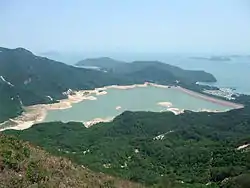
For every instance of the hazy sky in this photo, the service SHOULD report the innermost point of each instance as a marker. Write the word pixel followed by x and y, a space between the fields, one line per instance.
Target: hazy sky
pixel 126 25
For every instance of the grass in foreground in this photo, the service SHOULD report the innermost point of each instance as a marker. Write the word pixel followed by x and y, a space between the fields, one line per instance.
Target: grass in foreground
pixel 22 165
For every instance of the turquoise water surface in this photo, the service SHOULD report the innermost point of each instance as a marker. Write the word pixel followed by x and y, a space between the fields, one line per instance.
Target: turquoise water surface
pixel 136 99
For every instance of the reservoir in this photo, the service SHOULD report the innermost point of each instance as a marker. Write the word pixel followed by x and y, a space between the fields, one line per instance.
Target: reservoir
pixel 117 101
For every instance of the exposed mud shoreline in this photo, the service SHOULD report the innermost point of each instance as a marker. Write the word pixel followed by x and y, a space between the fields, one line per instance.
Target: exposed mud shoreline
pixel 37 113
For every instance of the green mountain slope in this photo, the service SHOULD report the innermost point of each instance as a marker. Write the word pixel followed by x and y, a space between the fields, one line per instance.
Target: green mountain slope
pixel 36 77
pixel 137 67
pixel 102 62
pixel 23 165
pixel 10 105
pixel 171 73
pixel 196 148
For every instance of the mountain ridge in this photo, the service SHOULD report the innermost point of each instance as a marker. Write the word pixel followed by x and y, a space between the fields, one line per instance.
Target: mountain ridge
pixel 134 66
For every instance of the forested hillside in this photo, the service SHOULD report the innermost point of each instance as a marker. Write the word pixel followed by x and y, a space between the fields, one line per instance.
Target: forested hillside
pixel 147 147
pixel 35 78
pixel 141 70
pixel 10 105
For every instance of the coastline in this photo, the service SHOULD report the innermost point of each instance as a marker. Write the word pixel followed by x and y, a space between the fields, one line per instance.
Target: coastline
pixel 37 113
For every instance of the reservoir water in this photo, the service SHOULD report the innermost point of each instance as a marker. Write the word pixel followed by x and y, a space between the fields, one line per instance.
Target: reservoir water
pixel 136 99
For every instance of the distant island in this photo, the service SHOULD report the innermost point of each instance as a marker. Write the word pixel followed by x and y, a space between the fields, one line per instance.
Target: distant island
pixel 51 53
pixel 213 58
pixel 239 56
pixel 221 58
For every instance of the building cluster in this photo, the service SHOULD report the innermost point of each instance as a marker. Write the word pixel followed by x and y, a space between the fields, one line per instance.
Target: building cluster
pixel 227 93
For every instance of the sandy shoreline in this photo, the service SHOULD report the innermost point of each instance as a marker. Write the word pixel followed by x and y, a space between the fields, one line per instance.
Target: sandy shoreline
pixel 96 120
pixel 31 116
pixel 37 113
pixel 165 104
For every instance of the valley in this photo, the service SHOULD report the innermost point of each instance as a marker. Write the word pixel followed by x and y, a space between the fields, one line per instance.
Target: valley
pixel 124 94
pixel 144 122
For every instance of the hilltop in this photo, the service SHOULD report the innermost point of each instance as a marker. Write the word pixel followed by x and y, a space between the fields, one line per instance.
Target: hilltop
pixel 23 165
